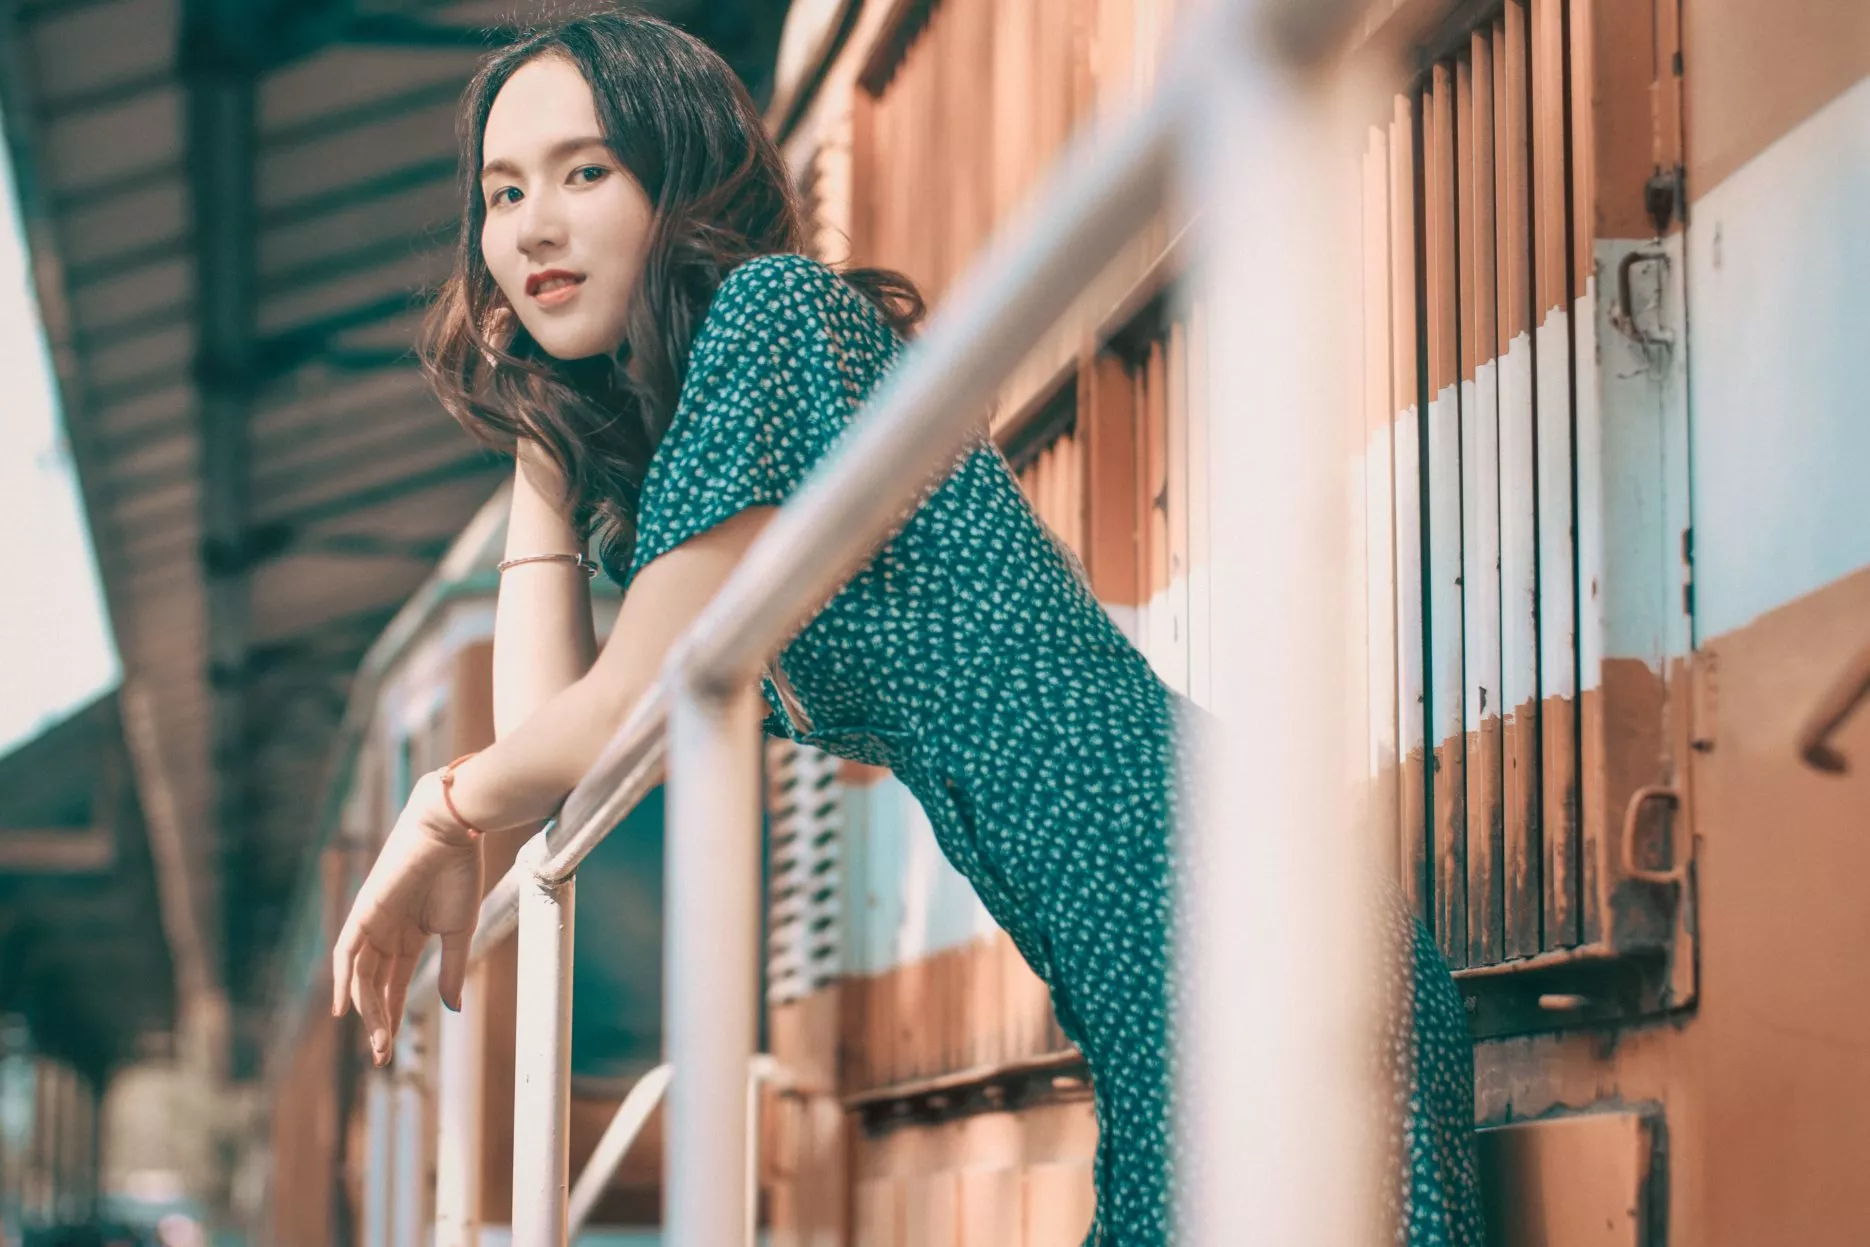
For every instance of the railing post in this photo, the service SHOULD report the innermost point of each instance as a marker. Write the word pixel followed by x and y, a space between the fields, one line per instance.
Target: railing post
pixel 542 1056
pixel 1277 1067
pixel 710 980
pixel 458 1122
pixel 379 1157
pixel 409 1200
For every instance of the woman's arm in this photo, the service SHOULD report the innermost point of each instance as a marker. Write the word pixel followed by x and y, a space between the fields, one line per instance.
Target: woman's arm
pixel 526 775
pixel 542 635
pixel 426 881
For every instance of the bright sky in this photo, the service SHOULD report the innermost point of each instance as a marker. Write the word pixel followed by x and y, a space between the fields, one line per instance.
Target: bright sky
pixel 56 651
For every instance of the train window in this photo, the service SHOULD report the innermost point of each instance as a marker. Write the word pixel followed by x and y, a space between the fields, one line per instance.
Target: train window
pixel 804 928
pixel 1526 621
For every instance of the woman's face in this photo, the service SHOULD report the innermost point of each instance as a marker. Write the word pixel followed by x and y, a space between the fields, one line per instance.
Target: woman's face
pixel 566 228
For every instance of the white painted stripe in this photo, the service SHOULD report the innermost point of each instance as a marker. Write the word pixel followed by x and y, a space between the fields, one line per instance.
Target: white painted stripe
pixel 1779 297
pixel 1409 680
pixel 1557 628
pixel 1444 535
pixel 1480 546
pixel 1518 575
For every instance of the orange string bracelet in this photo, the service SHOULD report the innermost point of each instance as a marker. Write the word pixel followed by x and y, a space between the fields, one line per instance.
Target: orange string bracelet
pixel 448 798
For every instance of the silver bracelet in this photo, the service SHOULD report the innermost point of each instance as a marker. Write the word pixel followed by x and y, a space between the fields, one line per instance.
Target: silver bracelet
pixel 576 560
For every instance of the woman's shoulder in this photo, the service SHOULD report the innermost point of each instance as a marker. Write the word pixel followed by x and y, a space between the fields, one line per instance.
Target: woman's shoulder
pixel 783 273
pixel 780 289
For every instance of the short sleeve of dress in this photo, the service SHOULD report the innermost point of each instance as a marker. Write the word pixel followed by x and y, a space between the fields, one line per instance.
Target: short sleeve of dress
pixel 780 365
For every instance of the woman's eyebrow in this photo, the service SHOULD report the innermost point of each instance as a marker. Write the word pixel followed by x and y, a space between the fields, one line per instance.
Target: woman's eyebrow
pixel 558 150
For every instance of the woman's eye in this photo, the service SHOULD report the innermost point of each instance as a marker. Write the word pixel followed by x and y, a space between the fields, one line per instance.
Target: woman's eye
pixel 589 173
pixel 499 197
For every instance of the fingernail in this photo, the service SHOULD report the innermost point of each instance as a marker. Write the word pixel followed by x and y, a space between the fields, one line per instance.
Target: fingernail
pixel 454 1006
pixel 379 1041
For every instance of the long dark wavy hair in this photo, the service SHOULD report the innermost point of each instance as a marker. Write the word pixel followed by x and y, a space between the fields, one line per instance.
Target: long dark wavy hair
pixel 679 121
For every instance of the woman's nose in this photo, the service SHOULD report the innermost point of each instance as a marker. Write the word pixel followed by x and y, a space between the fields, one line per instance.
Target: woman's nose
pixel 542 225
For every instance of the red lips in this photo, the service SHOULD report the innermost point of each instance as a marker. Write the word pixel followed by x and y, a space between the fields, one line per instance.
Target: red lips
pixel 537 280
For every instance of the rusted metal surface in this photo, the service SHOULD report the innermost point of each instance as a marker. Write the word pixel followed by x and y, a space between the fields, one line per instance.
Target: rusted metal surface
pixel 1523 838
pixel 1558 681
pixel 1631 476
pixel 1552 483
pixel 1442 515
pixel 1480 506
pixel 1406 404
pixel 1761 1081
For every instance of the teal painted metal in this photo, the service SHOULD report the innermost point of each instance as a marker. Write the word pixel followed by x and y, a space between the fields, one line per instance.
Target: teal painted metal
pixel 905 902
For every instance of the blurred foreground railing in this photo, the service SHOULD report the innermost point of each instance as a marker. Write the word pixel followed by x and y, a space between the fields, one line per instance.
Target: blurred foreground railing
pixel 1278 1083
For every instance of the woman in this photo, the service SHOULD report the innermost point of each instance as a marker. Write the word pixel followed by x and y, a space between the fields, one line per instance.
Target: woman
pixel 630 318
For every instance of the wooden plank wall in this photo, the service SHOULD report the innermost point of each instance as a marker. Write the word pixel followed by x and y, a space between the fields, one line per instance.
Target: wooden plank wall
pixel 1519 593
pixel 990 1180
pixel 1469 280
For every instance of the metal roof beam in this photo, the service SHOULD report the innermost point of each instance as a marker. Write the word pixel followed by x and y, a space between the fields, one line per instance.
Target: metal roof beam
pixel 221 55
pixel 481 463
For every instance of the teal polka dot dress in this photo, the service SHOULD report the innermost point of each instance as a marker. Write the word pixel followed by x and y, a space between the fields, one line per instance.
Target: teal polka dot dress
pixel 970 658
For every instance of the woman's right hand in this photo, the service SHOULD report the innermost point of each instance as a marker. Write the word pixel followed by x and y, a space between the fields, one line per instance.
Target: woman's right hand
pixel 426 881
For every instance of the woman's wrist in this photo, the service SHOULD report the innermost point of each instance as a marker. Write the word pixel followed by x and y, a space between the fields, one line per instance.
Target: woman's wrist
pixel 439 818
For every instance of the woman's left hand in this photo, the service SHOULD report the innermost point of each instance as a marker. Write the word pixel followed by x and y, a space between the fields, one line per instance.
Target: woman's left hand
pixel 426 881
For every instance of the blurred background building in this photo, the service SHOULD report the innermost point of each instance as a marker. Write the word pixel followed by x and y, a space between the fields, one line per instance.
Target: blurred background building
pixel 1615 302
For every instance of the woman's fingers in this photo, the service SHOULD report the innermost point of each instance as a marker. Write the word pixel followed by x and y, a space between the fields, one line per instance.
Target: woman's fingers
pixel 454 967
pixel 401 972
pixel 343 954
pixel 367 995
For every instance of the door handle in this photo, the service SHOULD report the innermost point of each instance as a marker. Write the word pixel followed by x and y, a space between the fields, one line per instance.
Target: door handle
pixel 1678 873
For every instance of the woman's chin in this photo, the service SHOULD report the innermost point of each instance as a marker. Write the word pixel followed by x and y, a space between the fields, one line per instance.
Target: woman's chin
pixel 571 347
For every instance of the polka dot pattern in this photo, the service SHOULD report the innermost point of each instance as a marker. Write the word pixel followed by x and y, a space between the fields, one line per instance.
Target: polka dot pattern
pixel 970 657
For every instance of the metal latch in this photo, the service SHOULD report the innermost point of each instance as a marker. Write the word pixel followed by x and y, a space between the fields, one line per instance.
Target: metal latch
pixel 1623 315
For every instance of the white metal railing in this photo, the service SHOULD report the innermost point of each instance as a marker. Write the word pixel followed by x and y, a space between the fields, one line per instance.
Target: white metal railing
pixel 1228 125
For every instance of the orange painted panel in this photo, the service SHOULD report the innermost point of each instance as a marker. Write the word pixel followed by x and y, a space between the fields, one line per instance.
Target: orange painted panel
pixel 1108 423
pixel 879 1219
pixel 932 1210
pixel 1061 1201
pixel 1582 1181
pixel 991 1208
